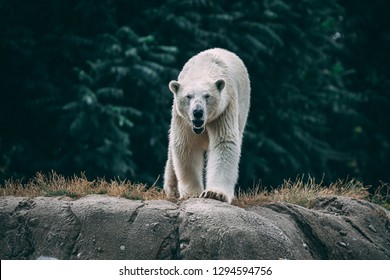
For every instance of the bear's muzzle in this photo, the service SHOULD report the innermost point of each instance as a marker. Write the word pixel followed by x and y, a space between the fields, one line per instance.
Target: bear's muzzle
pixel 198 126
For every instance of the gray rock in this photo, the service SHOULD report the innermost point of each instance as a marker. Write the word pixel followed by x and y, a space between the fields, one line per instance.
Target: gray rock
pixel 30 228
pixel 336 227
pixel 215 230
pixel 117 228
pixel 46 258
pixel 104 227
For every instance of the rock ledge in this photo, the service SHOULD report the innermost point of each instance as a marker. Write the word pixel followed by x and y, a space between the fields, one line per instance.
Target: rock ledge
pixel 104 227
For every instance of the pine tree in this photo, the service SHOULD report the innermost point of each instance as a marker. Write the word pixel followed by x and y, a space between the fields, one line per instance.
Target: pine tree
pixel 109 100
pixel 75 90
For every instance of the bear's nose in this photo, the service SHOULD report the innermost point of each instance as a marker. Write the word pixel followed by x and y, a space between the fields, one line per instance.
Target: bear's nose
pixel 198 113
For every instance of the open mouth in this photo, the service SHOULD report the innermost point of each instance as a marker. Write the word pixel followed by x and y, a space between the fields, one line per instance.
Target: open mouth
pixel 198 130
pixel 198 126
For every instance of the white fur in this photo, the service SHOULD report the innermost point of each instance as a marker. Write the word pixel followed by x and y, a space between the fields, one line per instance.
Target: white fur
pixel 216 81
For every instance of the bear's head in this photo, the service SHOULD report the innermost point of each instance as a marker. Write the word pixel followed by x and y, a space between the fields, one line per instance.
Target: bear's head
pixel 198 103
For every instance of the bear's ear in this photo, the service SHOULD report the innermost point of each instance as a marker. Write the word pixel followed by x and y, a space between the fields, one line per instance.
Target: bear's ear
pixel 174 86
pixel 220 84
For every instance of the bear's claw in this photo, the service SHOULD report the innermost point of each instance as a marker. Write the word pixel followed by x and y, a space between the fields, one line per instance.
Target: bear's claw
pixel 214 195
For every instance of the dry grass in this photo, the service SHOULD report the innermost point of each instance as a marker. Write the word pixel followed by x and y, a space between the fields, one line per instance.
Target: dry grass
pixel 300 191
pixel 78 186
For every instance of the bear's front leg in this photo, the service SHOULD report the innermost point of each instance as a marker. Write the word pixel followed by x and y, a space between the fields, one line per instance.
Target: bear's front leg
pixel 188 166
pixel 222 170
pixel 170 180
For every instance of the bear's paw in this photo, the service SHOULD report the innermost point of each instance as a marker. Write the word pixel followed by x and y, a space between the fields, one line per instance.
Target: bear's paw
pixel 216 194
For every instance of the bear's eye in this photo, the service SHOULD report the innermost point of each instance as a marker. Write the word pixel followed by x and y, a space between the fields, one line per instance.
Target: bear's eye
pixel 206 96
pixel 188 96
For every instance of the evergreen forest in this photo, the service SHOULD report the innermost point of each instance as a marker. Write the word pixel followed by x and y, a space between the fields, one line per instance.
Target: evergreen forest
pixel 84 85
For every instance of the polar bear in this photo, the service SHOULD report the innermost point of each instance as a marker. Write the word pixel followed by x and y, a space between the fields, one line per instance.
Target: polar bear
pixel 209 114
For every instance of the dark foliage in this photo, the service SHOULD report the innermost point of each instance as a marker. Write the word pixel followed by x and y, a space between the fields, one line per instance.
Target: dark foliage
pixel 84 85
pixel 367 43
